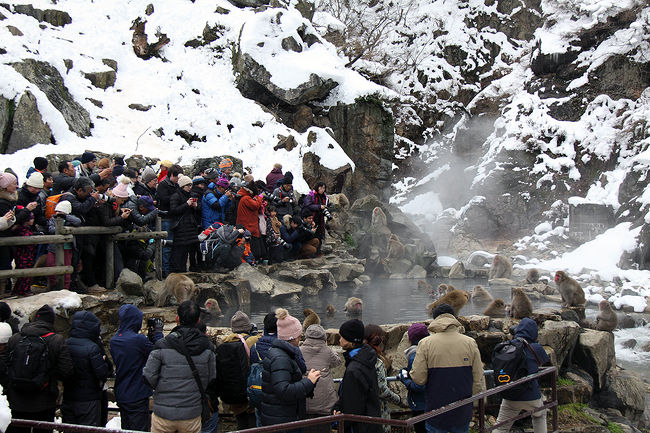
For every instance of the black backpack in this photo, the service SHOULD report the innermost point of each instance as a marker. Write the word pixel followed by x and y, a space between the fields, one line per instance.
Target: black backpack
pixel 232 372
pixel 29 364
pixel 509 364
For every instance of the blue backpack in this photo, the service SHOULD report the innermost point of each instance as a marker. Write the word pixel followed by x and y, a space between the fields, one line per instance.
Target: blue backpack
pixel 254 382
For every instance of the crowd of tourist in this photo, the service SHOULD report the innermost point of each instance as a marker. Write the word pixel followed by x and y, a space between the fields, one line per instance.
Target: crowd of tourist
pixel 282 376
pixel 214 218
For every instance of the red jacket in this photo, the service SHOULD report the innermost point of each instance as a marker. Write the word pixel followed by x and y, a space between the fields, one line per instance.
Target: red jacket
pixel 249 208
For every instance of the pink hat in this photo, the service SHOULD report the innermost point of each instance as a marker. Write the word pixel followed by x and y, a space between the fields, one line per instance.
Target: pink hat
pixel 289 328
pixel 120 191
pixel 7 179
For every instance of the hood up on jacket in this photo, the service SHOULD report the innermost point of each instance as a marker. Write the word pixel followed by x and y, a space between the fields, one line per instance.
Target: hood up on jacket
pixel 446 323
pixel 527 329
pixel 85 325
pixel 130 318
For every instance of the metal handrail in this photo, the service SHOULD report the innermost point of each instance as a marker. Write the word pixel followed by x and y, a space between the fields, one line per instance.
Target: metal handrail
pixel 342 418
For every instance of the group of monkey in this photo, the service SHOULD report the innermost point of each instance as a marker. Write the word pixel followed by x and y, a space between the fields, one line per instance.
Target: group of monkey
pixel 183 288
pixel 520 305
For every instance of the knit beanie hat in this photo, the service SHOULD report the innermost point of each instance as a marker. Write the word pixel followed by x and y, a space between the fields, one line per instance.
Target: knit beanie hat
pixel 240 322
pixel 270 323
pixel 287 180
pixel 40 163
pixel 443 309
pixel 5 311
pixel 417 332
pixel 5 333
pixel 316 332
pixel 225 163
pixel 118 170
pixel 64 207
pixel 289 328
pixel 7 179
pixel 45 314
pixel 222 182
pixel 35 180
pixel 166 163
pixel 353 331
pixel 184 180
pixel 198 179
pixel 86 157
pixel 120 190
pixel 148 175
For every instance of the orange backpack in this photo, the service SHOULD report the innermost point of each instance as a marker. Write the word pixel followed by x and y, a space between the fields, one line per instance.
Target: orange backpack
pixel 50 205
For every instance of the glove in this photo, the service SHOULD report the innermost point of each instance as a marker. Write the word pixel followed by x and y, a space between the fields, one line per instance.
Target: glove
pixel 402 375
pixel 287 245
pixel 155 327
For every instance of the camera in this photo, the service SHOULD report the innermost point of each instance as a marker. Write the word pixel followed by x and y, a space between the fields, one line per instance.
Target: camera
pixel 103 197
pixel 327 214
pixel 167 242
pixel 151 322
pixel 269 197
pixel 307 228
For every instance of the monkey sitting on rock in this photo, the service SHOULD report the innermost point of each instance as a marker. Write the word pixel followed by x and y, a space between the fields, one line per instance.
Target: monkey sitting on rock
pixel 570 290
pixel 501 267
pixel 479 294
pixel 520 306
pixel 496 309
pixel 532 276
pixel 311 318
pixel 456 299
pixel 180 286
pixel 607 320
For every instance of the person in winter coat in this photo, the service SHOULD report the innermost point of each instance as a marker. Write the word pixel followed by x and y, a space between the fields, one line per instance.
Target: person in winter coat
pixel 449 363
pixel 273 177
pixel 28 197
pixel 284 389
pixel 24 255
pixel 166 189
pixel 216 202
pixel 177 397
pixel 130 350
pixel 319 356
pixel 264 343
pixel 316 203
pixel 359 390
pixel 374 337
pixel 41 405
pixel 531 397
pixel 147 184
pixel 184 209
pixel 82 392
pixel 416 393
pixel 284 198
pixel 250 206
pixel 8 197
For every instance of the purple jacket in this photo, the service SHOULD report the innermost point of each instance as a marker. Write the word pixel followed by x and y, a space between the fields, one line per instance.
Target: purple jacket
pixel 272 178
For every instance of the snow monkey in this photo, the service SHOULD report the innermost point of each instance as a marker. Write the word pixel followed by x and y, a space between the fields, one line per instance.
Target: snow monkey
pixel 330 309
pixel 501 267
pixel 395 247
pixel 445 288
pixel 479 294
pixel 178 285
pixel 497 308
pixel 210 311
pixel 378 218
pixel 456 299
pixel 607 320
pixel 520 306
pixel 354 306
pixel 532 276
pixel 424 286
pixel 572 293
pixel 311 318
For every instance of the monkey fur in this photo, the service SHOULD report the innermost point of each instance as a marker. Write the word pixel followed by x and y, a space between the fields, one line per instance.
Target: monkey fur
pixel 424 286
pixel 311 318
pixel 378 220
pixel 330 309
pixel 445 288
pixel 520 305
pixel 497 309
pixel 354 306
pixel 479 294
pixel 395 248
pixel 180 286
pixel 607 320
pixel 501 267
pixel 455 298
pixel 210 311
pixel 570 290
pixel 532 276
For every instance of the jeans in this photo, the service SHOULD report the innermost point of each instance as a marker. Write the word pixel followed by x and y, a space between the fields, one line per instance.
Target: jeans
pixel 135 415
pixel 166 251
pixel 211 425
pixel 456 429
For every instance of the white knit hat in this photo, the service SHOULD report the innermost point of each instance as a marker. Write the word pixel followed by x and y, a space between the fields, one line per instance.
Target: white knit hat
pixel 5 332
pixel 64 206
pixel 184 180
pixel 35 180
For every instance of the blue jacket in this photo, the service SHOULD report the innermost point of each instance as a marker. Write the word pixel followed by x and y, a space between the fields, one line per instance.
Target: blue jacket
pixel 262 346
pixel 91 366
pixel 417 395
pixel 527 329
pixel 130 351
pixel 214 206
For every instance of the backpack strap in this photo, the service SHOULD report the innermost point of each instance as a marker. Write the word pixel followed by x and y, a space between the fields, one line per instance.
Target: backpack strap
pixel 527 344
pixel 259 358
pixel 47 335
pixel 243 341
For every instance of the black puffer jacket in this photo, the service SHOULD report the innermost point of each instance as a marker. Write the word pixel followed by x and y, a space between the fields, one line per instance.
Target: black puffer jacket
pixel 60 368
pixel 359 390
pixel 284 389
pixel 166 189
pixel 25 197
pixel 91 367
pixel 187 229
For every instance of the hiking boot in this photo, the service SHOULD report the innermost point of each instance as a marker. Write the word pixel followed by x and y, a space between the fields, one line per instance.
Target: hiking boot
pixel 96 289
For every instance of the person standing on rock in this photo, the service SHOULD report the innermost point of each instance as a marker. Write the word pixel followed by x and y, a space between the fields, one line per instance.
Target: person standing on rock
pixel 528 398
pixel 359 390
pixel 273 177
pixel 130 351
pixel 316 202
pixel 449 364
pixel 166 189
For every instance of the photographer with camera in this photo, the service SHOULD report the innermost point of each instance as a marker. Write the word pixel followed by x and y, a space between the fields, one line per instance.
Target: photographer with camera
pixel 284 198
pixel 316 203
pixel 186 215
pixel 301 235
pixel 63 210
pixel 216 202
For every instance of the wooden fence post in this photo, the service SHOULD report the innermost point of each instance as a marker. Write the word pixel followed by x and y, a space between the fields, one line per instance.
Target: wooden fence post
pixel 110 261
pixel 59 253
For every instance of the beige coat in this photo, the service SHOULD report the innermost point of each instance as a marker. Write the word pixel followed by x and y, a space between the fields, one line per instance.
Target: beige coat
pixel 321 357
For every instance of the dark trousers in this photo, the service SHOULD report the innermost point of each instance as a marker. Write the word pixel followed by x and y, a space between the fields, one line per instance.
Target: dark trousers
pixel 82 412
pixel 420 427
pixel 44 415
pixel 135 415
pixel 178 259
